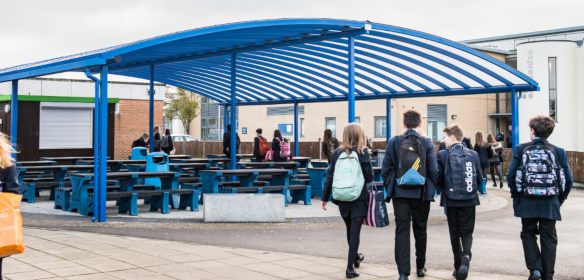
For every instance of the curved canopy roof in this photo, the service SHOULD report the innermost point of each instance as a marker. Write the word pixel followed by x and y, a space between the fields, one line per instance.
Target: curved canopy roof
pixel 304 60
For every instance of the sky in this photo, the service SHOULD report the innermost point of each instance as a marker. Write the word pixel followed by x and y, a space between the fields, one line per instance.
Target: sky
pixel 37 30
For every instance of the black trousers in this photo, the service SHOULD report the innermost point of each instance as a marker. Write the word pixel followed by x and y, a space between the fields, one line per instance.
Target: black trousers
pixel 543 260
pixel 461 222
pixel 353 237
pixel 416 212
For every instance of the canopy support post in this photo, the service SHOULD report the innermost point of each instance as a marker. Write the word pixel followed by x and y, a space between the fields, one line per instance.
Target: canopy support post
pixel 351 78
pixel 233 107
pixel 387 119
pixel 151 93
pixel 515 117
pixel 14 117
pixel 103 133
pixel 96 146
pixel 296 143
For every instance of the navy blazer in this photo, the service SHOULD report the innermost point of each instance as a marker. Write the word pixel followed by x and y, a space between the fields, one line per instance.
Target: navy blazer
pixel 390 165
pixel 527 207
pixel 9 180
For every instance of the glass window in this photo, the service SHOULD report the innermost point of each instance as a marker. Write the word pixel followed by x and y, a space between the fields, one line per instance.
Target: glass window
pixel 331 123
pixel 286 129
pixel 301 127
pixel 380 127
pixel 436 120
pixel 553 88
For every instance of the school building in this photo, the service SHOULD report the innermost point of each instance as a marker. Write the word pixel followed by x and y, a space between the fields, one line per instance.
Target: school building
pixel 56 116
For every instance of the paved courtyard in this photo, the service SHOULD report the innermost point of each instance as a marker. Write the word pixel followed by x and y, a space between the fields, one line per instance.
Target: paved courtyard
pixel 78 255
pixel 310 245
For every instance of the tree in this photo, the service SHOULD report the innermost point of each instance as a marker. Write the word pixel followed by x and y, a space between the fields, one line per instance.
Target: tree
pixel 184 106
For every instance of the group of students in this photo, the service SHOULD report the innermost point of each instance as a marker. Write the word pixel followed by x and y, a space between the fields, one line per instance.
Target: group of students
pixel 539 178
pixel 278 151
pixel 161 143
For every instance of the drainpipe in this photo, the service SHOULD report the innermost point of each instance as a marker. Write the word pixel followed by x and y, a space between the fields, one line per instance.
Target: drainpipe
pixel 95 143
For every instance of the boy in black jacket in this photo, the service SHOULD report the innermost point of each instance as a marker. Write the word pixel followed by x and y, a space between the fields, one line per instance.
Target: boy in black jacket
pixel 539 211
pixel 459 175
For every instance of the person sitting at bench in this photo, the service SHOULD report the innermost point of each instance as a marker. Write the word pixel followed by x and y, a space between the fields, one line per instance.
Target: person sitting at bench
pixel 141 142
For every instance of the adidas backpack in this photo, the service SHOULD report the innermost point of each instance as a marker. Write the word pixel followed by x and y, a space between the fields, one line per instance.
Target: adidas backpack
pixel 411 169
pixel 540 175
pixel 461 174
pixel 348 177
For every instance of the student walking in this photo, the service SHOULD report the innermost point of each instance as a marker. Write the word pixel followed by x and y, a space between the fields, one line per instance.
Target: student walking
pixel 260 146
pixel 8 177
pixel 537 202
pixel 349 172
pixel 496 160
pixel 227 142
pixel 459 175
pixel 166 143
pixel 329 144
pixel 280 148
pixel 485 153
pixel 156 141
pixel 409 171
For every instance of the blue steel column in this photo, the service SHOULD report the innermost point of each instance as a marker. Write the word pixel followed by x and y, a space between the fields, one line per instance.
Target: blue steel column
pixel 351 78
pixel 296 142
pixel 233 107
pixel 151 110
pixel 96 146
pixel 103 133
pixel 225 117
pixel 387 119
pixel 515 117
pixel 14 117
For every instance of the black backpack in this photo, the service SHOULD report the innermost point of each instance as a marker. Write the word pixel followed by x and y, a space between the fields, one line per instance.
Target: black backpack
pixel 540 175
pixel 460 173
pixel 165 142
pixel 411 169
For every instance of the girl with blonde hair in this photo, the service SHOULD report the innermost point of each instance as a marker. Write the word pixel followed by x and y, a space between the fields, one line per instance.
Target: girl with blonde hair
pixel 485 152
pixel 8 178
pixel 352 212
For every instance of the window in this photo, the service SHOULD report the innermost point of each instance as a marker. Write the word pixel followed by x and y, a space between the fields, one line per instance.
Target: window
pixel 66 125
pixel 286 129
pixel 380 127
pixel 331 123
pixel 553 88
pixel 284 110
pixel 436 121
pixel 301 127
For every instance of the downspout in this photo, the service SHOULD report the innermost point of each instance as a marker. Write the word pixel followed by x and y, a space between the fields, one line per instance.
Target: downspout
pixel 95 143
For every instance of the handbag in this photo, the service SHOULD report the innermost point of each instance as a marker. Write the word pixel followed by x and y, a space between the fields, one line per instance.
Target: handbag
pixel 376 209
pixel 11 242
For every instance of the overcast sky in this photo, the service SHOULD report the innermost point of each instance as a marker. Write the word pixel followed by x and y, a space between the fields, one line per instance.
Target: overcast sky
pixel 37 30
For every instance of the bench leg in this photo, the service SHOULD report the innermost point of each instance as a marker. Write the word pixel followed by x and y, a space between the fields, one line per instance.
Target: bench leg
pixel 160 202
pixel 30 193
pixel 62 199
pixel 307 196
pixel 134 205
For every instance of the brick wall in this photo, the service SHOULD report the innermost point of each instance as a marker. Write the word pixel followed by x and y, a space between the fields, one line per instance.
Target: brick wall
pixel 131 122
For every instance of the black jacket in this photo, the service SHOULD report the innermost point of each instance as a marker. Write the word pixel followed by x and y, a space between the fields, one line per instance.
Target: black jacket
pixel 485 153
pixel 170 144
pixel 328 147
pixel 139 143
pixel 9 180
pixel 366 168
pixel 276 148
pixel 227 142
pixel 390 165
pixel 527 207
pixel 441 184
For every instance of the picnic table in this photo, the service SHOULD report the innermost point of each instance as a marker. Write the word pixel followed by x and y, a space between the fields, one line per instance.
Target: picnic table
pixel 319 163
pixel 68 160
pixel 115 165
pixel 269 164
pixel 35 163
pixel 215 181
pixel 81 182
pixel 178 167
pixel 213 162
pixel 302 161
pixel 179 156
pixel 55 173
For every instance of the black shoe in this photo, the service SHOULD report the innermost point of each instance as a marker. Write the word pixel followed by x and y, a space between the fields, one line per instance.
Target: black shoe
pixel 462 271
pixel 421 272
pixel 535 275
pixel 454 273
pixel 501 184
pixel 403 277
pixel 351 273
pixel 360 258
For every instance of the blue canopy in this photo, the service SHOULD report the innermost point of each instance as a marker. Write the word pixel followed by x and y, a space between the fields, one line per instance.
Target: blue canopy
pixel 298 60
